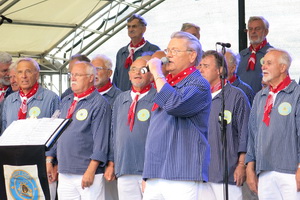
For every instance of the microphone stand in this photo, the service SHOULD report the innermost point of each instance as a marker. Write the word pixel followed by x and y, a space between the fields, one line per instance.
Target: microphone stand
pixel 223 124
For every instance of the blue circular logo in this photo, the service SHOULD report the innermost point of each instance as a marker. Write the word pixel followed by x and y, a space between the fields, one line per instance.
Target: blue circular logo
pixel 23 186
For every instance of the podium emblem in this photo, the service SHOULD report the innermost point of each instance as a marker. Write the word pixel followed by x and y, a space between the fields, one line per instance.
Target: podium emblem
pixel 23 186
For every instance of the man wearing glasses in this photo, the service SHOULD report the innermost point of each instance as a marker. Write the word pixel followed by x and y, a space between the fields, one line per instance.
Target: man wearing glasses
pixel 103 84
pixel 249 69
pixel 31 101
pixel 177 150
pixel 107 89
pixel 136 26
pixel 130 121
pixel 82 149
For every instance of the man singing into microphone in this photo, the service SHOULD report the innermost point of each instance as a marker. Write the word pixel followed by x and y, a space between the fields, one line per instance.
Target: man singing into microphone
pixel 177 150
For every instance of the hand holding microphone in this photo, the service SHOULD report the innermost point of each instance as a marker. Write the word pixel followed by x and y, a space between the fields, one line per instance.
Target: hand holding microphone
pixel 164 60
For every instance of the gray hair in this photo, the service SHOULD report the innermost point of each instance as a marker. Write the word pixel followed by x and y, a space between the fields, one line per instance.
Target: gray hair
pixel 107 61
pixel 186 26
pixel 34 63
pixel 193 43
pixel 13 66
pixel 234 58
pixel 254 18
pixel 219 60
pixel 90 69
pixel 284 57
pixel 142 21
pixel 5 58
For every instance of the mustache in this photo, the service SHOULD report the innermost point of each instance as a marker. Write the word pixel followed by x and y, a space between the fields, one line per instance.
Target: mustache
pixel 73 82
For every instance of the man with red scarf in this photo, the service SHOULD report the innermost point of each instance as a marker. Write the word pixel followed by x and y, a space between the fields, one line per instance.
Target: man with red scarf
pixel 136 26
pixel 103 84
pixel 237 109
pixel 130 120
pixel 249 69
pixel 108 90
pixel 82 149
pixel 273 161
pixel 177 150
pixel 32 100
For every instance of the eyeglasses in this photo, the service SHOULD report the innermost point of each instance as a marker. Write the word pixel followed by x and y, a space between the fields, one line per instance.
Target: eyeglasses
pixel 76 75
pixel 133 26
pixel 100 68
pixel 135 69
pixel 174 52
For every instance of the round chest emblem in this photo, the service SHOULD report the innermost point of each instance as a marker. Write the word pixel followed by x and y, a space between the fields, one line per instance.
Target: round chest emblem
pixel 143 115
pixel 227 116
pixel 81 114
pixel 284 108
pixel 34 112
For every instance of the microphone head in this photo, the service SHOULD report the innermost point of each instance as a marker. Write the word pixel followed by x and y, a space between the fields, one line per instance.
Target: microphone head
pixel 164 60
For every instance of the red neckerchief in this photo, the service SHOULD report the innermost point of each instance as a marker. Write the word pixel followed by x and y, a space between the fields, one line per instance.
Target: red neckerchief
pixel 105 87
pixel 2 92
pixel 77 97
pixel 233 78
pixel 269 102
pixel 131 111
pixel 133 48
pixel 24 98
pixel 252 58
pixel 176 79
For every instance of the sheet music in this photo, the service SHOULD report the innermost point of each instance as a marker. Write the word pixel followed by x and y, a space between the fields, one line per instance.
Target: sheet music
pixel 32 131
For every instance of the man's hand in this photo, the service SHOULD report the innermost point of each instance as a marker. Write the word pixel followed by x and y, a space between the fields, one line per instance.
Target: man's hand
pixel 239 174
pixel 89 175
pixel 109 174
pixel 51 171
pixel 252 180
pixel 87 179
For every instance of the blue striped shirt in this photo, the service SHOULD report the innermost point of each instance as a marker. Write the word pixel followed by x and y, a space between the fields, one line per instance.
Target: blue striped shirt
pixel 275 147
pixel 177 146
pixel 43 104
pixel 246 89
pixel 129 146
pixel 87 136
pixel 237 110
pixel 252 77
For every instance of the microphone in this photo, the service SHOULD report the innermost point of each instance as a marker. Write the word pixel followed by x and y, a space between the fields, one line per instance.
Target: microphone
pixel 7 19
pixel 164 60
pixel 228 45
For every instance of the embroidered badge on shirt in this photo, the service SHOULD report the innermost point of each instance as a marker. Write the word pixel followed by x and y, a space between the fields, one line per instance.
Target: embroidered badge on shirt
pixel 227 116
pixel 143 115
pixel 81 114
pixel 284 108
pixel 34 112
pixel 262 61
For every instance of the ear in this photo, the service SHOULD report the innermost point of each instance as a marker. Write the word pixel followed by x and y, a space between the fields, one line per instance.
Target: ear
pixel 193 56
pixel 144 29
pixel 283 68
pixel 92 78
pixel 109 72
pixel 266 32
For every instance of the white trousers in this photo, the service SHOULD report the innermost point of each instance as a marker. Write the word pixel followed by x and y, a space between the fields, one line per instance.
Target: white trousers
pixel 111 190
pixel 130 187
pixel 69 188
pixel 162 189
pixel 215 191
pixel 276 185
pixel 52 189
